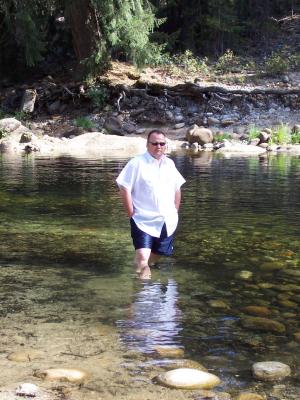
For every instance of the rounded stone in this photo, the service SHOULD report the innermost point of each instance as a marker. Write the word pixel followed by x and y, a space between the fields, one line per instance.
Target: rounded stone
pixel 260 311
pixel 218 304
pixel 25 355
pixel 63 374
pixel 270 370
pixel 169 351
pixel 249 396
pixel 245 275
pixel 27 389
pixel 188 378
pixel 297 336
pixel 168 364
pixel 263 324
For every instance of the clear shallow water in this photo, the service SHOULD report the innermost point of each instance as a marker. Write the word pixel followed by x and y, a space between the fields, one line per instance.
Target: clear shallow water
pixel 66 266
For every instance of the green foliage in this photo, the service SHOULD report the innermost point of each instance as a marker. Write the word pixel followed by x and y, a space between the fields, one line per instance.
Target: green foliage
pixel 97 63
pixel 190 63
pixel 136 31
pixel 185 63
pixel 228 62
pixel 294 61
pixel 98 95
pixel 83 122
pixel 253 132
pixel 2 113
pixel 3 133
pixel 295 135
pixel 127 27
pixel 295 138
pixel 220 137
pixel 21 116
pixel 276 64
pixel 31 38
pixel 281 134
pixel 24 25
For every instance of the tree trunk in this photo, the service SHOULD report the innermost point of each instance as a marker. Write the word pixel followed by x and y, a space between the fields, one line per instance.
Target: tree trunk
pixel 84 26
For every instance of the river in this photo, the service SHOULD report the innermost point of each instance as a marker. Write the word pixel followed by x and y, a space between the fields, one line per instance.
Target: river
pixel 70 297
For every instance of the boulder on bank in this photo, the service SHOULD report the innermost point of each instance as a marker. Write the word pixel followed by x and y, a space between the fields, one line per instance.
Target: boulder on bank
pixel 18 139
pixel 9 124
pixel 240 148
pixel 199 135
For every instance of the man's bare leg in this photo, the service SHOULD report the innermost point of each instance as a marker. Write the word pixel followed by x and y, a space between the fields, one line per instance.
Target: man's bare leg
pixel 141 261
pixel 153 259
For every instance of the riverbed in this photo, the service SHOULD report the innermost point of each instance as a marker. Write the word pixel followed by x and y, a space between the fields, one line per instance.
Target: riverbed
pixel 70 297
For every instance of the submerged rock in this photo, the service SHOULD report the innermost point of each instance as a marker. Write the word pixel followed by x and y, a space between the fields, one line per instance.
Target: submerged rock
pixel 169 351
pixel 168 364
pixel 260 311
pixel 188 378
pixel 270 370
pixel 25 355
pixel 63 374
pixel 245 275
pixel 249 396
pixel 263 324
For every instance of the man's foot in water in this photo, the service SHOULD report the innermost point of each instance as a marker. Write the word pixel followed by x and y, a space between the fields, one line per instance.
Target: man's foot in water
pixel 144 272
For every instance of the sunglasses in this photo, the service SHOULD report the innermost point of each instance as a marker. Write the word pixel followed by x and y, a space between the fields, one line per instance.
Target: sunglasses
pixel 158 143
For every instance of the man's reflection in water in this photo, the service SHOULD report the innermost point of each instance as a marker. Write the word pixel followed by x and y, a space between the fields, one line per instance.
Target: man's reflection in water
pixel 154 317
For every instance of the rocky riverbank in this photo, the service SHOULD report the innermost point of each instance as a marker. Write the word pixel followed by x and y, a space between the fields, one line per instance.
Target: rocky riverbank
pixel 19 139
pixel 125 104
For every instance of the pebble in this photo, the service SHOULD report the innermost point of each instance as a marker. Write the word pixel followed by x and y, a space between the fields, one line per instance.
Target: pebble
pixel 249 396
pixel 259 311
pixel 63 374
pixel 27 389
pixel 244 275
pixel 169 351
pixel 263 324
pixel 179 126
pixel 25 355
pixel 297 336
pixel 169 364
pixel 188 378
pixel 218 304
pixel 270 370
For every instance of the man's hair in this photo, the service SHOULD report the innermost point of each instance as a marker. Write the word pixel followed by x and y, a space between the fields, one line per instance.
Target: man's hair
pixel 155 131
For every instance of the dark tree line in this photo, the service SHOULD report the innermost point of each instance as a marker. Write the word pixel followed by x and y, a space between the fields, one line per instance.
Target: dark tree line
pixel 91 32
pixel 209 27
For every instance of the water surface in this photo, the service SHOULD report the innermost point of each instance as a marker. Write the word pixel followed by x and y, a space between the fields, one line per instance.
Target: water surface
pixel 68 288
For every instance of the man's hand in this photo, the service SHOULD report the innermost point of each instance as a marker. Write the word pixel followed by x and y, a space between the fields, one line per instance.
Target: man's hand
pixel 127 201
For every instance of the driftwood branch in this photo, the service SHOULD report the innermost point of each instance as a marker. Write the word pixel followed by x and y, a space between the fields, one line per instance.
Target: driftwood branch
pixel 194 90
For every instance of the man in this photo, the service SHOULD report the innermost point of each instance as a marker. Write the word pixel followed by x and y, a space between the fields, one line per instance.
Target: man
pixel 150 189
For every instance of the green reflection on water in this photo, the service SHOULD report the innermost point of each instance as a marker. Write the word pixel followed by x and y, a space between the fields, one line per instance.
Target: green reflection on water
pixel 65 243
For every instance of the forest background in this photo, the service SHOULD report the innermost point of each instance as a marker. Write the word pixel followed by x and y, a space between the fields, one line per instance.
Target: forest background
pixel 81 37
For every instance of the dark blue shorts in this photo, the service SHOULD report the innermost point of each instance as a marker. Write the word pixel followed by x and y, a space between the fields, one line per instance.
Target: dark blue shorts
pixel 141 240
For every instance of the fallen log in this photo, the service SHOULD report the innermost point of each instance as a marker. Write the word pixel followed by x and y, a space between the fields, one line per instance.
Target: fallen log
pixel 197 89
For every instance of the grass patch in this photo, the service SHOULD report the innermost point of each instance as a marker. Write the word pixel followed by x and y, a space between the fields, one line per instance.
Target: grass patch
pixel 281 135
pixel 85 123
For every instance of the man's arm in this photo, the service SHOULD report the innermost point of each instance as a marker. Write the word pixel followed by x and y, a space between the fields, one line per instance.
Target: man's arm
pixel 127 201
pixel 177 199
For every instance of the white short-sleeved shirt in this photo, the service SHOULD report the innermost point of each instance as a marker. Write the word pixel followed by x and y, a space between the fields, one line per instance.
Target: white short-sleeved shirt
pixel 152 184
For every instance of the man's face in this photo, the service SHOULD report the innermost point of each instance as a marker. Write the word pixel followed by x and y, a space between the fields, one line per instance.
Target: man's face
pixel 156 145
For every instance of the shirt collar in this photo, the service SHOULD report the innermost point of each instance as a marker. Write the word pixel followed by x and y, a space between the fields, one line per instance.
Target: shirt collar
pixel 152 159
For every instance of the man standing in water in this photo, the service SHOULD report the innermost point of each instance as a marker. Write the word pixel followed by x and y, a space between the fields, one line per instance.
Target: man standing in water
pixel 150 189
